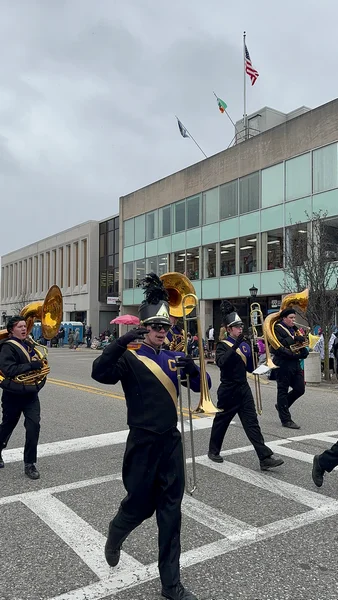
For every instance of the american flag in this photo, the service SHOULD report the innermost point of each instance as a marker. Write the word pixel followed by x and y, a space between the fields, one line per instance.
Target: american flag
pixel 249 69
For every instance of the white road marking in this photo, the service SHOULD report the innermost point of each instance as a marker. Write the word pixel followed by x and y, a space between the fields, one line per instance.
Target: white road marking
pixel 214 519
pixel 314 436
pixel 81 537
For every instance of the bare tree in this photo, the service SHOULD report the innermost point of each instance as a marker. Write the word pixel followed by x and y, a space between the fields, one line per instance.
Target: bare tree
pixel 311 262
pixel 20 303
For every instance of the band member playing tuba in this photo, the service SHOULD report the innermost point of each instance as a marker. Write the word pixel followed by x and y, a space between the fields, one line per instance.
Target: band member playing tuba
pixel 287 357
pixel 19 361
pixel 234 359
pixel 153 468
pixel 175 338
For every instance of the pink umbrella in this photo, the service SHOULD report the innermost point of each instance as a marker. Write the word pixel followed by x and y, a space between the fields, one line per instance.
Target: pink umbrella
pixel 126 320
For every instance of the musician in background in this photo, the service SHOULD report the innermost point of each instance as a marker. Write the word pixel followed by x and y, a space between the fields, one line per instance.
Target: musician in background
pixel 175 337
pixel 234 359
pixel 324 463
pixel 289 374
pixel 153 467
pixel 17 357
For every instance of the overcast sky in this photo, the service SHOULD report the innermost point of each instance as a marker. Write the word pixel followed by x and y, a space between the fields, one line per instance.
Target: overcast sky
pixel 89 90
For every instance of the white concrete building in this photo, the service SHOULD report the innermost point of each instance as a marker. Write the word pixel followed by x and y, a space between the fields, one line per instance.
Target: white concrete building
pixel 69 259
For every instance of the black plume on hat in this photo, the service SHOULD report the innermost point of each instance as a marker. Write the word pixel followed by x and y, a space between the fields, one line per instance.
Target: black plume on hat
pixel 154 290
pixel 227 308
pixel 229 314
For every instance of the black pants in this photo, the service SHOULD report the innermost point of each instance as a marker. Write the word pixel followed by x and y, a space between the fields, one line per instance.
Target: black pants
pixel 288 376
pixel 12 407
pixel 328 460
pixel 237 400
pixel 153 475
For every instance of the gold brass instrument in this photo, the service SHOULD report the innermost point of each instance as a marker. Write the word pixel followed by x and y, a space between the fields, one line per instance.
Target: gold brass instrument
pixel 257 320
pixel 299 299
pixel 49 312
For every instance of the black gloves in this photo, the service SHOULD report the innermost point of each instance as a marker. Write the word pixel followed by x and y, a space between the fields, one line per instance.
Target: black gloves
pixel 255 348
pixel 131 336
pixel 238 341
pixel 187 363
pixel 36 365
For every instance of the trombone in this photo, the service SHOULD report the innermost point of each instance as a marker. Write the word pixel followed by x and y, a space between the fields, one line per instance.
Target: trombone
pixel 257 320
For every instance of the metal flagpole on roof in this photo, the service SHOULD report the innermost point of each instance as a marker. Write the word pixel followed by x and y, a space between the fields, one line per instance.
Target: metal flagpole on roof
pixel 245 117
pixel 189 135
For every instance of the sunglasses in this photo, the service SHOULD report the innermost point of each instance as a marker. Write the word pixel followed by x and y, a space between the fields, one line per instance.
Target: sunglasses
pixel 159 327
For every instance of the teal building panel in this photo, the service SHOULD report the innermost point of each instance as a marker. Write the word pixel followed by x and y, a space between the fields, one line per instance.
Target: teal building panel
pixel 249 223
pixel 272 282
pixel 228 286
pixel 295 212
pixel 327 201
pixel 128 254
pixel 210 288
pixel 138 296
pixel 164 245
pixel 178 241
pixel 139 251
pixel 210 234
pixel 247 281
pixel 127 297
pixel 229 229
pixel 272 218
pixel 198 288
pixel 193 238
pixel 151 248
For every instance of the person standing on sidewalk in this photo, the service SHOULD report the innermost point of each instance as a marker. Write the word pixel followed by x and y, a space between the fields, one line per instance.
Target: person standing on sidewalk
pixel 234 359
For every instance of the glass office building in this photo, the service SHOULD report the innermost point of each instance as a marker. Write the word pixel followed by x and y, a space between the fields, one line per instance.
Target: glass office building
pixel 227 221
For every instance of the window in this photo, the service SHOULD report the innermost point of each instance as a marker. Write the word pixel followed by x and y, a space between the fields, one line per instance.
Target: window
pixel 61 266
pixel 193 266
pixel 152 264
pixel 228 200
pixel 330 239
pixel 117 222
pixel 116 282
pixel 193 212
pixel 128 282
pixel 228 257
pixel 210 206
pixel 275 249
pixel 110 242
pixel 128 235
pixel 179 262
pixel 103 250
pixel 325 172
pixel 151 225
pixel 179 209
pixel 76 266
pixel 249 193
pixel 273 185
pixel 209 260
pixel 110 225
pixel 298 177
pixel 163 264
pixel 103 227
pixel 140 229
pixel 140 270
pixel 296 245
pixel 248 254
pixel 165 221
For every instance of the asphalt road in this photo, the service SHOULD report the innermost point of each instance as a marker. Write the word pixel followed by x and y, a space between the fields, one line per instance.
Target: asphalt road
pixel 246 535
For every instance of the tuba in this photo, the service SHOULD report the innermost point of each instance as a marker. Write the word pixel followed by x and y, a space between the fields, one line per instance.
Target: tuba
pixel 49 312
pixel 299 299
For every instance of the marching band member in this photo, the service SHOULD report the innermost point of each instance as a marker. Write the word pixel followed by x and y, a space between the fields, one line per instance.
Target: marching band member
pixel 234 359
pixel 324 463
pixel 175 338
pixel 289 373
pixel 153 468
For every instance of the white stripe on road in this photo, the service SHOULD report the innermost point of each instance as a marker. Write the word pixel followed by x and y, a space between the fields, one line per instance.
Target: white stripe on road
pixel 81 537
pixel 214 519
pixel 314 436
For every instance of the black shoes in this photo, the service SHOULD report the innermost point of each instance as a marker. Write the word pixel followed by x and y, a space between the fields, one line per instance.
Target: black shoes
pixel 112 556
pixel 215 457
pixel 2 464
pixel 317 472
pixel 32 472
pixel 291 425
pixel 178 593
pixel 270 463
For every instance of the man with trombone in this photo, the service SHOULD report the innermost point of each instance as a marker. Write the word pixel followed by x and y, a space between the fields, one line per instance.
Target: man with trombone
pixel 153 466
pixel 234 359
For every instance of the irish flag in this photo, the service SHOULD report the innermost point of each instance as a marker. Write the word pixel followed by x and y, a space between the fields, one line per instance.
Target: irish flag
pixel 221 105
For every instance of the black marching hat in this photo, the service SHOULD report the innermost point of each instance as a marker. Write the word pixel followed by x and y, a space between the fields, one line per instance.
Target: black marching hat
pixel 286 312
pixel 229 315
pixel 155 306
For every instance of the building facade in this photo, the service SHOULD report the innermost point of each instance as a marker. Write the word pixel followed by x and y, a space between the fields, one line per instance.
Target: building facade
pixel 108 285
pixel 226 221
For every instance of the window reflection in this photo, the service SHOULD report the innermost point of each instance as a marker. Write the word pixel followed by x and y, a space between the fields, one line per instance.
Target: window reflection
pixel 192 267
pixel 228 257
pixel 179 262
pixel 193 212
pixel 152 264
pixel 140 270
pixel 128 282
pixel 248 254
pixel 209 259
pixel 275 249
pixel 163 264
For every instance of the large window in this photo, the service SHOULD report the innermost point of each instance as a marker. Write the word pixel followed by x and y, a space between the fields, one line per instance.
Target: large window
pixel 140 270
pixel 192 266
pixel 179 209
pixel 179 262
pixel 128 232
pixel 151 225
pixel 193 212
pixel 140 229
pixel 210 206
pixel 152 264
pixel 228 257
pixel 128 281
pixel 248 254
pixel 209 261
pixel 165 221
pixel 330 234
pixel 296 245
pixel 249 193
pixel 325 168
pixel 273 185
pixel 163 266
pixel 228 200
pixel 298 177
pixel 274 249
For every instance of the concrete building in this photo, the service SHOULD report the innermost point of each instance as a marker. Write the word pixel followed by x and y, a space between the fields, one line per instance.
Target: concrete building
pixel 225 222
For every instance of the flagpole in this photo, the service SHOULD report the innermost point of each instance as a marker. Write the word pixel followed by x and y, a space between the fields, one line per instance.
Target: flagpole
pixel 193 139
pixel 230 119
pixel 245 118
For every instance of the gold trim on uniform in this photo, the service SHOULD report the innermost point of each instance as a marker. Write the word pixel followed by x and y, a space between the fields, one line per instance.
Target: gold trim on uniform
pixel 238 351
pixel 159 374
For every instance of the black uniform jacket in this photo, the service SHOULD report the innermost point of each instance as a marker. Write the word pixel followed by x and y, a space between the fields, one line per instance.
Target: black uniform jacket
pixel 233 363
pixel 149 381
pixel 286 336
pixel 16 360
